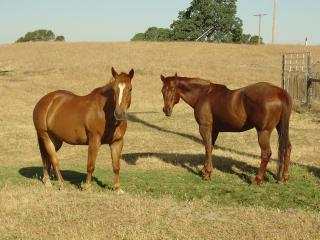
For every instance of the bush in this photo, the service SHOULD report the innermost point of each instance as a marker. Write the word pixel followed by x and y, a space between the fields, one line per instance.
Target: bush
pixel 40 35
pixel 60 38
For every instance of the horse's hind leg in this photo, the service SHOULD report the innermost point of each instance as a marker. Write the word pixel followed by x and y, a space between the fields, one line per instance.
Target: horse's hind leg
pixel 286 163
pixel 46 163
pixel 264 143
pixel 285 175
pixel 50 146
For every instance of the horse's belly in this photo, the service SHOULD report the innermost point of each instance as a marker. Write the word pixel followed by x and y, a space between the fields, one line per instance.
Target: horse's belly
pixel 70 134
pixel 68 128
pixel 232 126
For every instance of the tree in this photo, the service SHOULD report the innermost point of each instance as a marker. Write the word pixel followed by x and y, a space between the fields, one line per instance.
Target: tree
pixel 245 38
pixel 154 34
pixel 139 37
pixel 255 40
pixel 217 16
pixel 60 38
pixel 158 34
pixel 39 35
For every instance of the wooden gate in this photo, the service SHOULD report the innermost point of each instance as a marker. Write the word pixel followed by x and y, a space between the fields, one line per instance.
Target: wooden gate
pixel 295 74
pixel 301 78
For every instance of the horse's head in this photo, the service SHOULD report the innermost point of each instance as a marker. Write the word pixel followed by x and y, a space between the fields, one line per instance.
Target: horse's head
pixel 170 93
pixel 122 90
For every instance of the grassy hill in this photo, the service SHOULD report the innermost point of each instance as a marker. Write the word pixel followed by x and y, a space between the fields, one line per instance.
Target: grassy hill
pixel 165 197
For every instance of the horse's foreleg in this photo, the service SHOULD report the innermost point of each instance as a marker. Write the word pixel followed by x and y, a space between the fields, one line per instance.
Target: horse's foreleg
pixel 116 148
pixel 206 134
pixel 264 143
pixel 94 144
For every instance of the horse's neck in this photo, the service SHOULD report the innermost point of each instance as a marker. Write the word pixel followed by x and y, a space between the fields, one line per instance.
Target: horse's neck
pixel 103 94
pixel 191 90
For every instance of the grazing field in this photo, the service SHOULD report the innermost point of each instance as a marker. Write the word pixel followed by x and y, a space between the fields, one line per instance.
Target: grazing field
pixel 165 197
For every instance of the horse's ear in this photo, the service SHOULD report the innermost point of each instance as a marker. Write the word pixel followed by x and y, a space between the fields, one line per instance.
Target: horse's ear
pixel 176 75
pixel 162 78
pixel 131 73
pixel 114 73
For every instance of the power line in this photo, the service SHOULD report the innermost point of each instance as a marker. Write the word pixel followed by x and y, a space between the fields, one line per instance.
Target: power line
pixel 260 16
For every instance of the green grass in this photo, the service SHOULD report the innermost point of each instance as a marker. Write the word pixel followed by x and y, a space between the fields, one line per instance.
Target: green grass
pixel 225 189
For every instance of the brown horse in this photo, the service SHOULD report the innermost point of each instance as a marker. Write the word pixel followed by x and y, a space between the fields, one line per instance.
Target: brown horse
pixel 95 119
pixel 218 109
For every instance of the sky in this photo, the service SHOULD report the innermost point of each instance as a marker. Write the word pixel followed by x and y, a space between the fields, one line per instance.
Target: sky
pixel 119 20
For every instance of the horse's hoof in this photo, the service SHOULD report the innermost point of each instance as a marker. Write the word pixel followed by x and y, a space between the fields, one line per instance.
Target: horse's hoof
pixel 47 184
pixel 60 186
pixel 256 181
pixel 206 176
pixel 86 187
pixel 283 180
pixel 119 191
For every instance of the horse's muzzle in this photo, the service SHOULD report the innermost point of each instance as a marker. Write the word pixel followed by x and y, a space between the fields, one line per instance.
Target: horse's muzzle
pixel 167 111
pixel 120 116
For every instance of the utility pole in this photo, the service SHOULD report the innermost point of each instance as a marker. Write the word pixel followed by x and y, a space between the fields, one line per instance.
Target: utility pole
pixel 260 16
pixel 274 21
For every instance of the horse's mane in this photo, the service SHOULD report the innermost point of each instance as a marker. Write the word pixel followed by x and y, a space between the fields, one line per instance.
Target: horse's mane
pixel 197 81
pixel 105 88
pixel 188 83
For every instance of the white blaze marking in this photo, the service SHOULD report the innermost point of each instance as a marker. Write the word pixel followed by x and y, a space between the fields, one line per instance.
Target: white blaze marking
pixel 121 87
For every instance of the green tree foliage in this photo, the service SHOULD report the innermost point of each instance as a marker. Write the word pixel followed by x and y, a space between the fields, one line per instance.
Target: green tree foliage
pixel 248 39
pixel 255 40
pixel 245 38
pixel 158 34
pixel 40 35
pixel 154 34
pixel 217 15
pixel 138 37
pixel 216 20
pixel 60 38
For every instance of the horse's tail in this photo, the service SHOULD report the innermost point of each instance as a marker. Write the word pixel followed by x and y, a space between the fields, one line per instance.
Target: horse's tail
pixel 283 132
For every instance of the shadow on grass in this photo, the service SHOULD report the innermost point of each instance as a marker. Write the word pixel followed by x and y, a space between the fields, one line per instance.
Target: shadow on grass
pixel 133 118
pixel 311 169
pixel 191 162
pixel 73 177
pixel 4 72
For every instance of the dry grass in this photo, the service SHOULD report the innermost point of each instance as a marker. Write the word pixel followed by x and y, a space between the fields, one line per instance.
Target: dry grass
pixel 28 71
pixel 34 212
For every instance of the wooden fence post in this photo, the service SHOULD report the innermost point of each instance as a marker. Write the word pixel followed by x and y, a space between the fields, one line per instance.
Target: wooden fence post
pixel 309 81
pixel 283 71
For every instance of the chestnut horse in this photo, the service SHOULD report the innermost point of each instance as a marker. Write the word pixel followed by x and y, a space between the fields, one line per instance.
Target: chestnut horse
pixel 95 119
pixel 218 109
